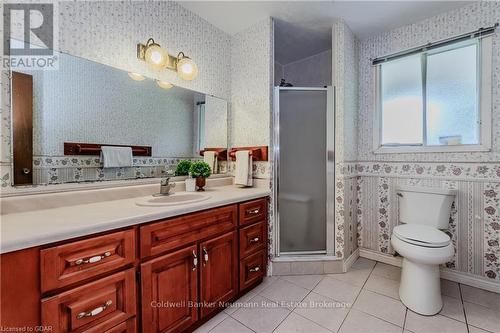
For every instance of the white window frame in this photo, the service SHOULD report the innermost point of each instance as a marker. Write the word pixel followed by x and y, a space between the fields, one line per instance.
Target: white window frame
pixel 485 111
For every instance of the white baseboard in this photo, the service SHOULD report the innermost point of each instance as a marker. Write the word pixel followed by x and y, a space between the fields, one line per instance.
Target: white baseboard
pixel 446 273
pixel 351 260
pixel 377 256
pixel 470 280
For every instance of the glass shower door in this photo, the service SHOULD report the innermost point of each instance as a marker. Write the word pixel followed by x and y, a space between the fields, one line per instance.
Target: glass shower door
pixel 302 170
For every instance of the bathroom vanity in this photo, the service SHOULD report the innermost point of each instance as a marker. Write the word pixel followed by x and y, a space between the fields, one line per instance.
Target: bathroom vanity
pixel 149 269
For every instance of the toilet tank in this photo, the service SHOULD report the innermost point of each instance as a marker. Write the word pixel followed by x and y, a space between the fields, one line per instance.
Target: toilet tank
pixel 425 205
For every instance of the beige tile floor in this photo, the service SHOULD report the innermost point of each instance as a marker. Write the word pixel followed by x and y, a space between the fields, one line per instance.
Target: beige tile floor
pixel 365 299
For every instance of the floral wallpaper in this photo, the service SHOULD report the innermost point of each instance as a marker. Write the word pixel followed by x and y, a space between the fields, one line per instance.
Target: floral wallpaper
pixel 345 76
pixel 108 32
pixel 474 225
pixel 64 169
pixel 492 230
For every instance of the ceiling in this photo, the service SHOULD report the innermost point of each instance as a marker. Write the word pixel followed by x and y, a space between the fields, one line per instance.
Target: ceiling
pixel 306 25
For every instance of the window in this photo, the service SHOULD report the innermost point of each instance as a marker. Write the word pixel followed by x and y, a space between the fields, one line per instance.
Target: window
pixel 435 100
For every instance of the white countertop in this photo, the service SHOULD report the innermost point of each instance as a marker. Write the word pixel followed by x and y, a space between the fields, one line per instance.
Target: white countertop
pixel 28 229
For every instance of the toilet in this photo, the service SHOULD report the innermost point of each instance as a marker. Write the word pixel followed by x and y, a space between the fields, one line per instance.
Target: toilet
pixel 423 213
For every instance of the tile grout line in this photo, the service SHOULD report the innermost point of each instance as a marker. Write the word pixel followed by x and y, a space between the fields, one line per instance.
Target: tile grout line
pixel 463 307
pixel 297 285
pixel 230 315
pixel 312 292
pixel 256 294
pixel 312 321
pixel 380 294
pixel 406 316
pixel 352 305
pixel 289 313
pixel 270 300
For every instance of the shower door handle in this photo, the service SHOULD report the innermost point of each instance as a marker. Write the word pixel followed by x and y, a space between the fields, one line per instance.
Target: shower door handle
pixel 331 155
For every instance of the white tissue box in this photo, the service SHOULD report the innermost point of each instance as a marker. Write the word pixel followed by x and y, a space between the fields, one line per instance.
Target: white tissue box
pixel 190 184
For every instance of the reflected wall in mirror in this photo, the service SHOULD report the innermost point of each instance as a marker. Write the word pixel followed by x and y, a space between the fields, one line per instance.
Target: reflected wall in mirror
pixel 87 102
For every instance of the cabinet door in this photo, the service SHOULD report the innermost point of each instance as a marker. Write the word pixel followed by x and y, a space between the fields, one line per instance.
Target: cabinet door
pixel 219 271
pixel 170 291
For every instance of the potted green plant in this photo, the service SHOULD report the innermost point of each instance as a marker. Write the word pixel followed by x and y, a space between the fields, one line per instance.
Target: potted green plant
pixel 182 168
pixel 201 171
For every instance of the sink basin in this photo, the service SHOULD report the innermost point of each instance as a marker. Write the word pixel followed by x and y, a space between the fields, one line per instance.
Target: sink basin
pixel 172 199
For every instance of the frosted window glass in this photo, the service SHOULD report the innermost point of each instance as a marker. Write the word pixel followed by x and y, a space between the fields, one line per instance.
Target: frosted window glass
pixel 402 112
pixel 452 105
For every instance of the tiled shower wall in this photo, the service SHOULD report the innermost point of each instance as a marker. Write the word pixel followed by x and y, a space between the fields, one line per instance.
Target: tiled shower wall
pixel 475 221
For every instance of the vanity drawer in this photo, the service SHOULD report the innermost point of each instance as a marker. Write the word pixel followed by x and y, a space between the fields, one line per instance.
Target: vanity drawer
pixel 253 211
pixel 252 238
pixel 126 327
pixel 177 232
pixel 93 307
pixel 252 269
pixel 69 263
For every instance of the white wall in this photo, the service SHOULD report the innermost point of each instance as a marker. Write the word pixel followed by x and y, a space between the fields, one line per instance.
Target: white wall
pixel 313 71
pixel 251 84
pixel 215 122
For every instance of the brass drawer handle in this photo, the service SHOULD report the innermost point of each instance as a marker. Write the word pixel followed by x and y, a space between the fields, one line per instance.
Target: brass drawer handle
pixel 93 259
pixel 195 260
pixel 94 312
pixel 255 269
pixel 205 255
pixel 254 240
pixel 254 211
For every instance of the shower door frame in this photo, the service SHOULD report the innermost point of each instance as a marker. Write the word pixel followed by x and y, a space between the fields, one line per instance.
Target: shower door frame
pixel 330 172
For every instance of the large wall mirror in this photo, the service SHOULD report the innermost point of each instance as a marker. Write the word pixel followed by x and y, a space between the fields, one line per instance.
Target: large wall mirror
pixel 61 117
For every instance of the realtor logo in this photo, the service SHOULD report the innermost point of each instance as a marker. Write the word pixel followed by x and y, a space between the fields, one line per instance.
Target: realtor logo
pixel 29 35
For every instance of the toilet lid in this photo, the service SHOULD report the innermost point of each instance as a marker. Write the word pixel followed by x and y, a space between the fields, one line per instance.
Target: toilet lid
pixel 421 235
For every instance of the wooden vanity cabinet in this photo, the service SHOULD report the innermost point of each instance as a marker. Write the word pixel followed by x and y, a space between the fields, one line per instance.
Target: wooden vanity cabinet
pixel 169 287
pixel 164 276
pixel 219 272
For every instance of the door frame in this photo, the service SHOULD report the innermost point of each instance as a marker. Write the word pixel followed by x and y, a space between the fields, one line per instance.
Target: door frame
pixel 330 169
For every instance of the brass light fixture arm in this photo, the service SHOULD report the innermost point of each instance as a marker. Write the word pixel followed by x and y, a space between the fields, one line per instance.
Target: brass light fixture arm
pixel 172 61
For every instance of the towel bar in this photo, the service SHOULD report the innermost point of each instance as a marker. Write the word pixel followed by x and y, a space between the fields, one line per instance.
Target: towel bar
pixel 258 153
pixel 75 148
pixel 221 153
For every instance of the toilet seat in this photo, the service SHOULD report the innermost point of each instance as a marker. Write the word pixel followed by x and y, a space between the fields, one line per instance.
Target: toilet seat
pixel 421 235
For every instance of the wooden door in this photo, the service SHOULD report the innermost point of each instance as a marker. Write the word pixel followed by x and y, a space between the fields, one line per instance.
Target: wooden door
pixel 219 271
pixel 22 128
pixel 170 291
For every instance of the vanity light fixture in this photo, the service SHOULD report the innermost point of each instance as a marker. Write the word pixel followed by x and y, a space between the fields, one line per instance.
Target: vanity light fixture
pixel 157 58
pixel 164 84
pixel 186 68
pixel 153 54
pixel 136 76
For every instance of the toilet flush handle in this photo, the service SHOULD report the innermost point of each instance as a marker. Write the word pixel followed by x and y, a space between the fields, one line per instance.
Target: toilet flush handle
pixel 399 194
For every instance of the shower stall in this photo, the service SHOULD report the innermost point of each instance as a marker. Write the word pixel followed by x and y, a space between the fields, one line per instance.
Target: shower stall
pixel 304 171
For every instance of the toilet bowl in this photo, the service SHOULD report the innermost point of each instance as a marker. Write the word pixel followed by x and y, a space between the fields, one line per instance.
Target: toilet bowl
pixel 420 287
pixel 423 246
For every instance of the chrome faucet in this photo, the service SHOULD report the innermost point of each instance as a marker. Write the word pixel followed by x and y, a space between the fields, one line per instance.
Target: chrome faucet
pixel 166 186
